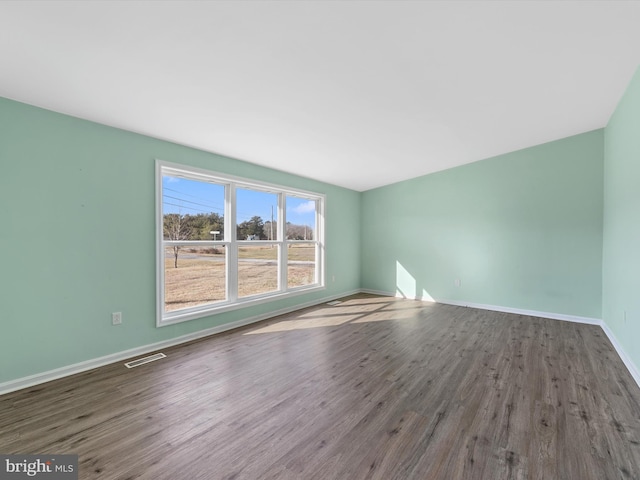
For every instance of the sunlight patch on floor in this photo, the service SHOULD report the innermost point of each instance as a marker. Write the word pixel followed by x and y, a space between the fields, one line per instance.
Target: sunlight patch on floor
pixel 353 310
pixel 300 324
pixel 387 315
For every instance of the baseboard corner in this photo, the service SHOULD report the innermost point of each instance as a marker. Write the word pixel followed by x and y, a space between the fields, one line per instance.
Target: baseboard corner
pixel 631 366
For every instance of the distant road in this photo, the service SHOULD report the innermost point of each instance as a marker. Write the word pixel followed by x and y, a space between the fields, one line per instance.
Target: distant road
pixel 221 259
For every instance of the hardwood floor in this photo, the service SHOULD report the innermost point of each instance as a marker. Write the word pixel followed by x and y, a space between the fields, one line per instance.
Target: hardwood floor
pixel 376 388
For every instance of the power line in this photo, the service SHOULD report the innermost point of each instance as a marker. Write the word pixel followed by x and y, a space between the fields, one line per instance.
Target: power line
pixel 187 208
pixel 194 203
pixel 240 215
pixel 186 194
pixel 245 217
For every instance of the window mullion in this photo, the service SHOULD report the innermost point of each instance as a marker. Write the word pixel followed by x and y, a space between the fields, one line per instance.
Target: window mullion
pixel 230 232
pixel 319 238
pixel 284 252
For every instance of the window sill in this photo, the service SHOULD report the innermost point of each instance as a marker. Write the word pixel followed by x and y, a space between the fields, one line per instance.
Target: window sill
pixel 213 309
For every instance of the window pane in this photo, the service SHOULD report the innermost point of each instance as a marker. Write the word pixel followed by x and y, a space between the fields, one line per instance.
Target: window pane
pixel 256 215
pixel 301 218
pixel 191 209
pixel 301 265
pixel 194 276
pixel 257 269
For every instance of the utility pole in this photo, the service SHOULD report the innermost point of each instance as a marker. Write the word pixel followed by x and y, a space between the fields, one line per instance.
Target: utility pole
pixel 271 222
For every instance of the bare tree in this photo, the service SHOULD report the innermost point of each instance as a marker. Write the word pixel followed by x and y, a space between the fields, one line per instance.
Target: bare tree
pixel 176 227
pixel 299 232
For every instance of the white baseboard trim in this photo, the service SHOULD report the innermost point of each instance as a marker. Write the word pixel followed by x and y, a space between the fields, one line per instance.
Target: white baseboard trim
pixel 38 378
pixel 529 313
pixel 378 292
pixel 494 308
pixel 633 369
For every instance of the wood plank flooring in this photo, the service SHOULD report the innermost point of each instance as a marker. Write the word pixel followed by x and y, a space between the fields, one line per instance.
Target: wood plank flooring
pixel 374 388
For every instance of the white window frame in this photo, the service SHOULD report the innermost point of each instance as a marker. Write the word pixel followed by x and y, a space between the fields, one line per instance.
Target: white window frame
pixel 231 243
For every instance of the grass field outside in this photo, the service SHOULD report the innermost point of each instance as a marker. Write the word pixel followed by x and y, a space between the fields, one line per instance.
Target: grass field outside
pixel 200 276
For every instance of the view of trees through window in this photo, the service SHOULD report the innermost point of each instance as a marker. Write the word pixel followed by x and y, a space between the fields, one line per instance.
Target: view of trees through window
pixel 203 265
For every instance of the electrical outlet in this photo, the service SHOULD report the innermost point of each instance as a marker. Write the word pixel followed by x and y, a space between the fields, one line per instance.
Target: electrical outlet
pixel 624 316
pixel 333 278
pixel 457 282
pixel 116 318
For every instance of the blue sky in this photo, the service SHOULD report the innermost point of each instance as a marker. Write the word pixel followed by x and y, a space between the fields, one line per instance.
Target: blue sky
pixel 184 196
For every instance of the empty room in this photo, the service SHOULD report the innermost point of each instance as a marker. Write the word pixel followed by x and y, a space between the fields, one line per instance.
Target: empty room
pixel 315 240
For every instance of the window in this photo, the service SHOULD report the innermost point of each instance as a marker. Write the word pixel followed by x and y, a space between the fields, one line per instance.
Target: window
pixel 226 242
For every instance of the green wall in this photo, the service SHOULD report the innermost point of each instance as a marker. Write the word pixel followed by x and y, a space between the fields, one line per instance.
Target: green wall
pixel 621 252
pixel 77 239
pixel 521 230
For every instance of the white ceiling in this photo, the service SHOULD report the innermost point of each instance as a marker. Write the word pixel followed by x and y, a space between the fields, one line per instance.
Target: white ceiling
pixel 358 94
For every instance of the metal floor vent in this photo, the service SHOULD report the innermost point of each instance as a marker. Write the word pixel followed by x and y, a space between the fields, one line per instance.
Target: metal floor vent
pixel 334 303
pixel 142 361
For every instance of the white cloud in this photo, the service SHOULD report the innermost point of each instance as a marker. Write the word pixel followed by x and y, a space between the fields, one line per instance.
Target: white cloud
pixel 306 207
